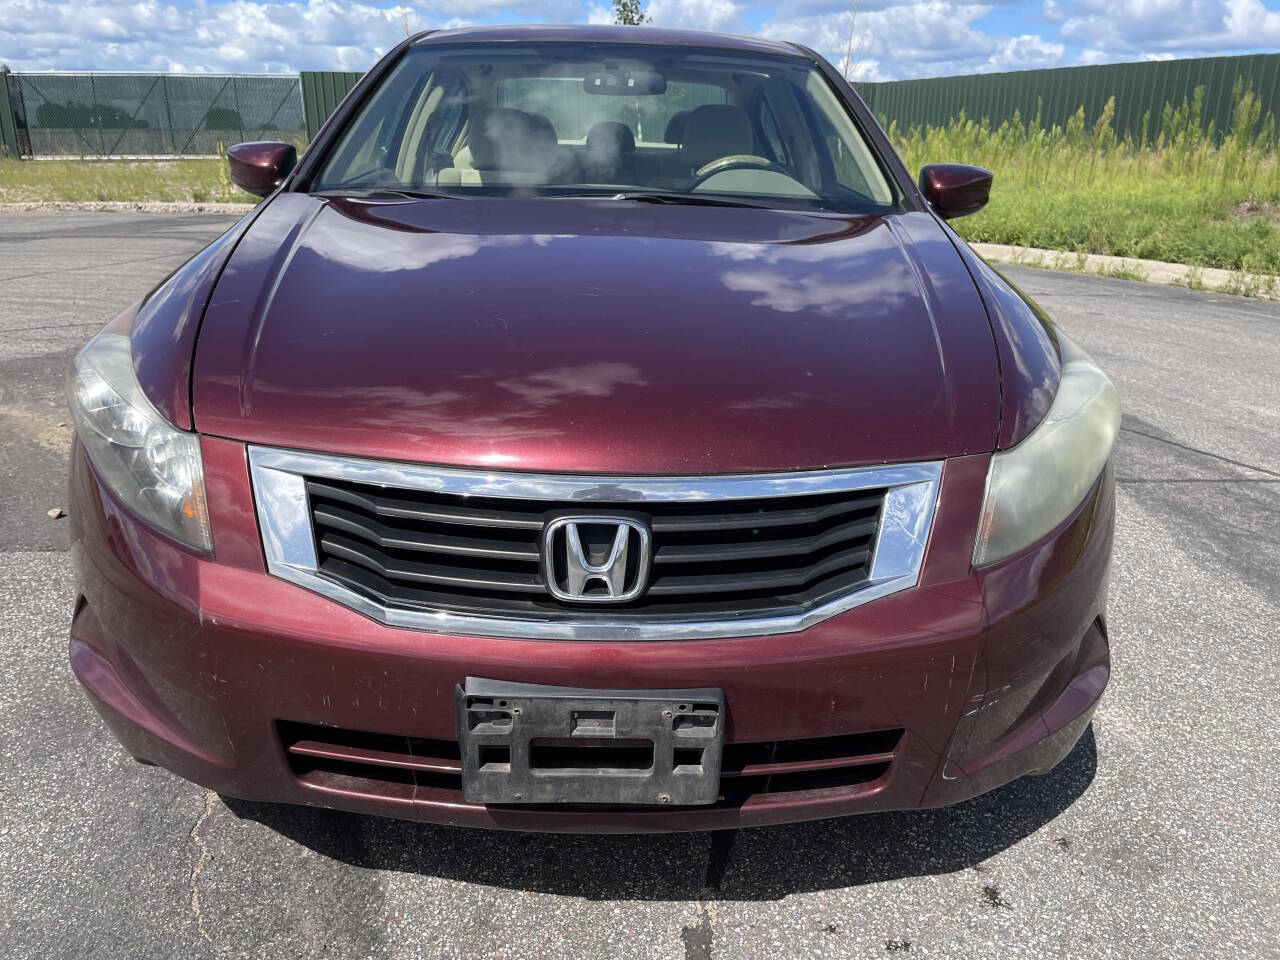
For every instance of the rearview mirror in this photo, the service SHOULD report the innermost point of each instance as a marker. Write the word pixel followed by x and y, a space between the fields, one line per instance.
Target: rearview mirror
pixel 635 83
pixel 259 166
pixel 955 189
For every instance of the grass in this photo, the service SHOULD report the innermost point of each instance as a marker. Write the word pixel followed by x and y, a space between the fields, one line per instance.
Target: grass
pixel 199 181
pixel 1187 196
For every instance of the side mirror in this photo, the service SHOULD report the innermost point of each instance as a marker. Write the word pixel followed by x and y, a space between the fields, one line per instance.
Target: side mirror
pixel 955 189
pixel 259 166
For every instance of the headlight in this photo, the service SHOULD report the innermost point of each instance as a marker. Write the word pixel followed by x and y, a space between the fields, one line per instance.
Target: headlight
pixel 153 467
pixel 1033 487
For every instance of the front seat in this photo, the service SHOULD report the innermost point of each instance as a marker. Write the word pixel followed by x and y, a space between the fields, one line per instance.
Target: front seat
pixel 715 130
pixel 513 147
pixel 611 153
pixel 674 133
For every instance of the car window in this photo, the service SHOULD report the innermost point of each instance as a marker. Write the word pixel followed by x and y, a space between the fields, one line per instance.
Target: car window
pixel 565 118
pixel 769 130
pixel 447 122
pixel 854 165
pixel 573 112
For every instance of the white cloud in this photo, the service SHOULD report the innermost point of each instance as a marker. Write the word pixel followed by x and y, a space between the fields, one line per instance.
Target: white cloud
pixel 268 36
pixel 864 71
pixel 892 38
pixel 910 39
pixel 1184 27
pixel 695 14
pixel 1026 52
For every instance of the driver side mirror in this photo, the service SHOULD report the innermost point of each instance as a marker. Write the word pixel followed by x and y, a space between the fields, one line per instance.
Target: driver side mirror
pixel 955 189
pixel 259 166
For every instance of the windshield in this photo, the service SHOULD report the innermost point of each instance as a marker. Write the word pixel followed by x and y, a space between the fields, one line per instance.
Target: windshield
pixel 559 119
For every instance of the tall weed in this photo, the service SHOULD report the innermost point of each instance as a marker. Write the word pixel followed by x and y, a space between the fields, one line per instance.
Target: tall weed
pixel 1187 193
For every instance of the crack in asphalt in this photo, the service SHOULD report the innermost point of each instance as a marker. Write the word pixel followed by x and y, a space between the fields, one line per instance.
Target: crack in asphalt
pixel 1198 451
pixel 698 938
pixel 198 868
pixel 1196 480
pixel 179 257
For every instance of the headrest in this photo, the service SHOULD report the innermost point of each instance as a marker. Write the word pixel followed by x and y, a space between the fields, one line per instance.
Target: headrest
pixel 675 127
pixel 716 130
pixel 507 139
pixel 610 137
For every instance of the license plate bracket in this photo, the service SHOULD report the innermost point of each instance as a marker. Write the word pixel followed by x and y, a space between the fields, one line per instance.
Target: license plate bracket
pixel 527 743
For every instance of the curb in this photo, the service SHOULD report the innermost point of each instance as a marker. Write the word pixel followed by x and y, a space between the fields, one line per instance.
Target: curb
pixel 121 206
pixel 1263 286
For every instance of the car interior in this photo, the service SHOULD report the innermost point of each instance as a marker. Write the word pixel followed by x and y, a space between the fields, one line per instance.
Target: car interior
pixel 498 124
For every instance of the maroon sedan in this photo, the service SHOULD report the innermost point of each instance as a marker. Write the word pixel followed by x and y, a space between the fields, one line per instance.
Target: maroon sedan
pixel 597 430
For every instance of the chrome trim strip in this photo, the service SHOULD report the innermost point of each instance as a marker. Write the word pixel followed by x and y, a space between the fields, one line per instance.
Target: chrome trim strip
pixel 905 521
pixel 283 516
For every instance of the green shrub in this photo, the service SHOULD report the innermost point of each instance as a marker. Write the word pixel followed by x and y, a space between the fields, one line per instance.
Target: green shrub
pixel 1188 195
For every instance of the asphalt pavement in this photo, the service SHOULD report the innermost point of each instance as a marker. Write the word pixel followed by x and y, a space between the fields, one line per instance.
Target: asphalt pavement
pixel 1159 836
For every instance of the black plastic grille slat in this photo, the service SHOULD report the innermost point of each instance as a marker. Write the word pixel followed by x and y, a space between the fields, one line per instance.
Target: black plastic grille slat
pixel 735 516
pixel 389 505
pixel 395 569
pixel 392 538
pixel 423 550
pixel 729 582
pixel 702 553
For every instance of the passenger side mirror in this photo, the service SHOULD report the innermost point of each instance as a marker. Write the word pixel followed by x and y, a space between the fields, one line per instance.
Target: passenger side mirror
pixel 955 189
pixel 259 166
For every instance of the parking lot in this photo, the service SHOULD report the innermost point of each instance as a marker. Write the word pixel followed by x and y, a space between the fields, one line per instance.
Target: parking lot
pixel 1158 837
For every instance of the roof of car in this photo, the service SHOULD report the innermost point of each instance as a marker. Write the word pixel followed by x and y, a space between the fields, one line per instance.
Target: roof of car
pixel 594 33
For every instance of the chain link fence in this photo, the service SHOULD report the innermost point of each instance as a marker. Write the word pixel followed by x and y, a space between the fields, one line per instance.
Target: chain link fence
pixel 150 115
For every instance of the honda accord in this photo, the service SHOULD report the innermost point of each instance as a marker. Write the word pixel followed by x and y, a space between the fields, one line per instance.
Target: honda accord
pixel 597 429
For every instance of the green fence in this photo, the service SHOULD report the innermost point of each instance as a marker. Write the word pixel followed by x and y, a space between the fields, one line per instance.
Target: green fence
pixel 148 114
pixel 322 91
pixel 9 146
pixel 1141 91
pixel 95 114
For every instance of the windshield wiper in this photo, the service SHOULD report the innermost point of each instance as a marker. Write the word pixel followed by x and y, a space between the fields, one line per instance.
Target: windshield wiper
pixel 691 199
pixel 366 193
pixel 642 196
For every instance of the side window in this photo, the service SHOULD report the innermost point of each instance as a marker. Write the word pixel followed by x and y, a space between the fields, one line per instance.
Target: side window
pixel 373 150
pixel 447 122
pixel 769 130
pixel 845 166
pixel 852 163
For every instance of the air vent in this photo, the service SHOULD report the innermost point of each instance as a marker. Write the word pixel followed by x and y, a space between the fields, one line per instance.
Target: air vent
pixel 409 769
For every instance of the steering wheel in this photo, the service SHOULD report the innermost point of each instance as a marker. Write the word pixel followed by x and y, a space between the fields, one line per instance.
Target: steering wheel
pixel 738 161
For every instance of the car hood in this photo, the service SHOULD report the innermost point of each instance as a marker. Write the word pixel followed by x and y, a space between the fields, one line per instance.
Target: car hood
pixel 597 336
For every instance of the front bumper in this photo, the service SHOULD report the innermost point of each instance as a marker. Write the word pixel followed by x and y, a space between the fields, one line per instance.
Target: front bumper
pixel 218 671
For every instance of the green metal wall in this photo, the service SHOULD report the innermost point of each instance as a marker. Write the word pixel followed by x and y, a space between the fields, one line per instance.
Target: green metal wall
pixel 1058 93
pixel 322 91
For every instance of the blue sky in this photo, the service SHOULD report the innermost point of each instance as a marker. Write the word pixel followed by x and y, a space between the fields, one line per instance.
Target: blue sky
pixel 892 39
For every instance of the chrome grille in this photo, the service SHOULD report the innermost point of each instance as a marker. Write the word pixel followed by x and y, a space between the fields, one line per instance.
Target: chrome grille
pixel 462 551
pixel 427 550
